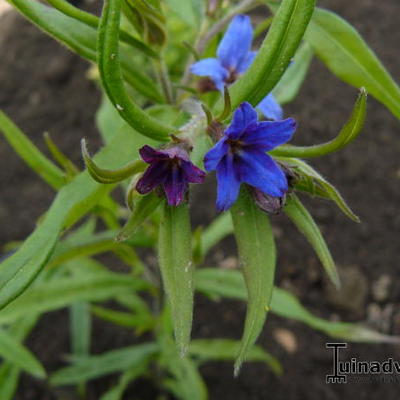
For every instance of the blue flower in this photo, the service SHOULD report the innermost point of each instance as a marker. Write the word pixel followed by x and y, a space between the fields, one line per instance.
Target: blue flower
pixel 239 157
pixel 170 168
pixel 234 56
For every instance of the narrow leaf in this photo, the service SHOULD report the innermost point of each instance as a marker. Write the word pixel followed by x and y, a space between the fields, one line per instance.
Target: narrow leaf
pixel 64 291
pixel 175 258
pixel 14 352
pixel 111 75
pixel 143 208
pixel 107 363
pixel 257 256
pixel 216 231
pixel 30 153
pixel 310 181
pixel 80 323
pixel 306 225
pixel 347 55
pixel 229 283
pixel 351 129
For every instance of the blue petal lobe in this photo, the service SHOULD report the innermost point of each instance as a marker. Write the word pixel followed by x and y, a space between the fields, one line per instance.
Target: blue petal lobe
pixel 228 183
pixel 267 135
pixel 211 67
pixel 244 117
pixel 261 171
pixel 214 155
pixel 271 108
pixel 236 43
pixel 246 62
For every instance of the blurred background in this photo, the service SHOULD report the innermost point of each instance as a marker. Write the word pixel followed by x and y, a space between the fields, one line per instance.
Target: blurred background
pixel 43 87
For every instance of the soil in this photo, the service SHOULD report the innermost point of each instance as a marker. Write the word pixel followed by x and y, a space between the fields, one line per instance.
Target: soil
pixel 43 88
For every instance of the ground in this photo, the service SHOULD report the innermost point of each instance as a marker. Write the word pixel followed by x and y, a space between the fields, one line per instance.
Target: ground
pixel 43 88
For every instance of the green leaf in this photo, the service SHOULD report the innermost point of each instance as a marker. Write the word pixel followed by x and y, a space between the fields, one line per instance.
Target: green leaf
pixel 143 208
pixel 310 181
pixel 111 76
pixel 93 21
pixel 72 202
pixel 30 153
pixel 14 352
pixel 227 349
pixel 80 326
pixel 175 258
pixel 107 363
pixel 107 176
pixel 81 39
pixel 289 85
pixel 64 291
pixel 346 54
pixel 275 54
pixel 257 255
pixel 228 283
pixel 306 225
pixel 351 129
pixel 9 375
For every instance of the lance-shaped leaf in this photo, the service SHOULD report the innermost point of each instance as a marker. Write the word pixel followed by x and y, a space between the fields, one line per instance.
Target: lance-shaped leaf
pixel 216 231
pixel 30 153
pixel 310 181
pixel 73 201
pixel 347 55
pixel 111 76
pixel 13 351
pixel 175 258
pixel 347 134
pixel 275 54
pixel 107 363
pixel 81 39
pixel 93 21
pixel 107 176
pixel 306 225
pixel 143 208
pixel 216 282
pixel 257 257
pixel 289 85
pixel 64 291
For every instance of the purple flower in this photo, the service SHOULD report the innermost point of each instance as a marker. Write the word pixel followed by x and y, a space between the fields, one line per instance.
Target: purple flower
pixel 170 168
pixel 239 157
pixel 234 56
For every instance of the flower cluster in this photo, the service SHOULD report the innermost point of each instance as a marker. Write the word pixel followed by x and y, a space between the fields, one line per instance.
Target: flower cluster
pixel 240 155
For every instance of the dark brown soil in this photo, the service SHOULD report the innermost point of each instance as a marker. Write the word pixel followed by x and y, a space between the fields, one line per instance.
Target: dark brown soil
pixel 43 88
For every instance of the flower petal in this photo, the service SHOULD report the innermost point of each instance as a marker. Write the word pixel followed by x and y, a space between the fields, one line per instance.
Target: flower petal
pixel 211 67
pixel 175 187
pixel 154 175
pixel 267 135
pixel 214 155
pixel 236 43
pixel 261 171
pixel 191 173
pixel 271 108
pixel 228 183
pixel 150 155
pixel 244 116
pixel 246 62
